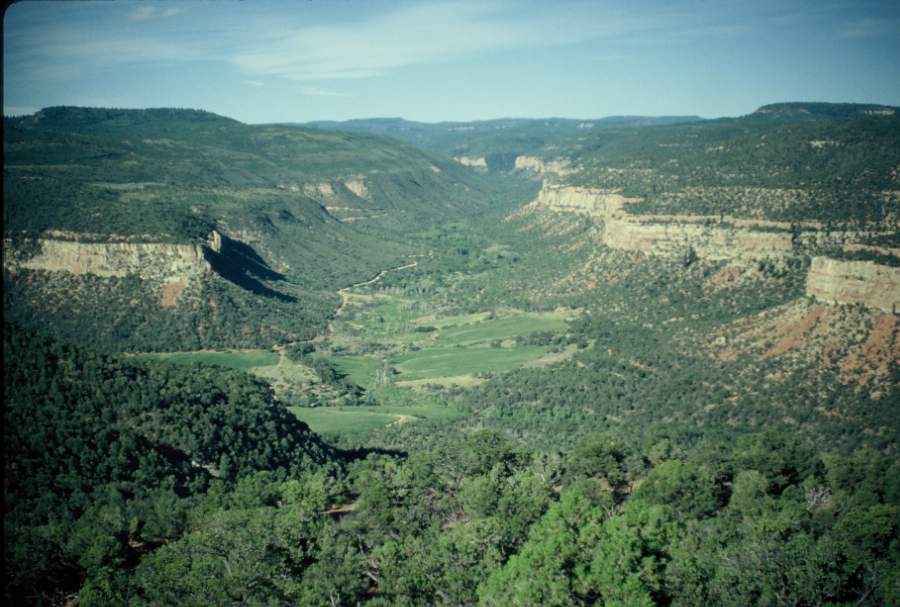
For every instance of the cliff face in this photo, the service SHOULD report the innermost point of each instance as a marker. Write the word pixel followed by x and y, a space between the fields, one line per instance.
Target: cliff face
pixel 594 202
pixel 714 242
pixel 711 237
pixel 357 186
pixel 472 161
pixel 734 240
pixel 167 269
pixel 560 166
pixel 854 282
pixel 667 235
pixel 151 261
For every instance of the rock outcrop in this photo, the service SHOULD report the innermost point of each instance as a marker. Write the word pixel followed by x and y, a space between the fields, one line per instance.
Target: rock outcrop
pixel 533 164
pixel 709 237
pixel 149 260
pixel 357 186
pixel 472 161
pixel 737 241
pixel 317 189
pixel 854 282
pixel 595 202
pixel 708 241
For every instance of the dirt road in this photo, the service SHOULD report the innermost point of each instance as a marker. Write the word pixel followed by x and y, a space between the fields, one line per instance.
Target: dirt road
pixel 329 331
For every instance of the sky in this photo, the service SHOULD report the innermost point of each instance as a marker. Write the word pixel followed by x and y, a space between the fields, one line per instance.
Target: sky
pixel 299 60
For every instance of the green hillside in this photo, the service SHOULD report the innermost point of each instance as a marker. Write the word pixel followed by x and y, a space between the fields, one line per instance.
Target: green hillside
pixel 183 167
pixel 827 162
pixel 301 212
pixel 100 454
pixel 836 171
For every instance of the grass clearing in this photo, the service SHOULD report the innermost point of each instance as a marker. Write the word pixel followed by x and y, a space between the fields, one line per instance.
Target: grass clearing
pixel 424 344
pixel 502 328
pixel 359 369
pixel 451 362
pixel 354 420
pixel 448 365
pixel 463 381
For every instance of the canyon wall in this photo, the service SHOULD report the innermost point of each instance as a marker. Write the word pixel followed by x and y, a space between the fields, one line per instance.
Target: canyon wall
pixel 709 241
pixel 594 202
pixel 711 237
pixel 533 164
pixel 854 282
pixel 472 161
pixel 357 186
pixel 149 260
pixel 735 240
pixel 666 235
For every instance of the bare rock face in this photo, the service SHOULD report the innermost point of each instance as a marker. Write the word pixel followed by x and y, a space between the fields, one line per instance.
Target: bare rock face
pixel 560 166
pixel 166 268
pixel 595 202
pixel 664 235
pixel 854 282
pixel 718 238
pixel 739 242
pixel 472 161
pixel 318 189
pixel 215 241
pixel 149 260
pixel 709 241
pixel 357 186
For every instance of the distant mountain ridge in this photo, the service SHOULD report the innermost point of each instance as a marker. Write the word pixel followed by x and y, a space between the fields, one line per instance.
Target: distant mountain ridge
pixel 547 145
pixel 80 118
pixel 411 128
pixel 801 110
pixel 498 142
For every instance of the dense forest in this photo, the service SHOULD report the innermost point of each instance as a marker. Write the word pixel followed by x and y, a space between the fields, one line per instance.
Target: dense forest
pixel 163 483
pixel 467 400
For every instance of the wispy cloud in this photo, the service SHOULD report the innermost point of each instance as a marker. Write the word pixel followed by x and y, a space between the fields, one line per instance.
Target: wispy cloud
pixel 255 83
pixel 114 50
pixel 416 35
pixel 311 91
pixel 145 12
pixel 871 27
pixel 378 41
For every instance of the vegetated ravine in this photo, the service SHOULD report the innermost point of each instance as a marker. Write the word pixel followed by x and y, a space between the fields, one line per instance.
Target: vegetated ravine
pixel 637 361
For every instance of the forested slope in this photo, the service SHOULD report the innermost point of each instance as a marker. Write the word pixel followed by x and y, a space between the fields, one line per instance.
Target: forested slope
pixel 278 218
pixel 103 457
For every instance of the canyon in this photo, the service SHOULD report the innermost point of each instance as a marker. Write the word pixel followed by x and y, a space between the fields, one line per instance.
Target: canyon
pixel 736 241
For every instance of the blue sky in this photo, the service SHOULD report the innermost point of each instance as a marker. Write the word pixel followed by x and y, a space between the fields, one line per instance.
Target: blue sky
pixel 299 60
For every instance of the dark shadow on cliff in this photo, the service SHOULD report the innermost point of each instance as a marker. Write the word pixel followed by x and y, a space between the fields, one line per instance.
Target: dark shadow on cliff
pixel 238 263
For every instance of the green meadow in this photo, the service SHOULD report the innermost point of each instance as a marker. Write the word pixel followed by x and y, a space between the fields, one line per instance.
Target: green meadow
pixel 421 342
pixel 443 362
pixel 394 346
pixel 342 420
pixel 354 420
